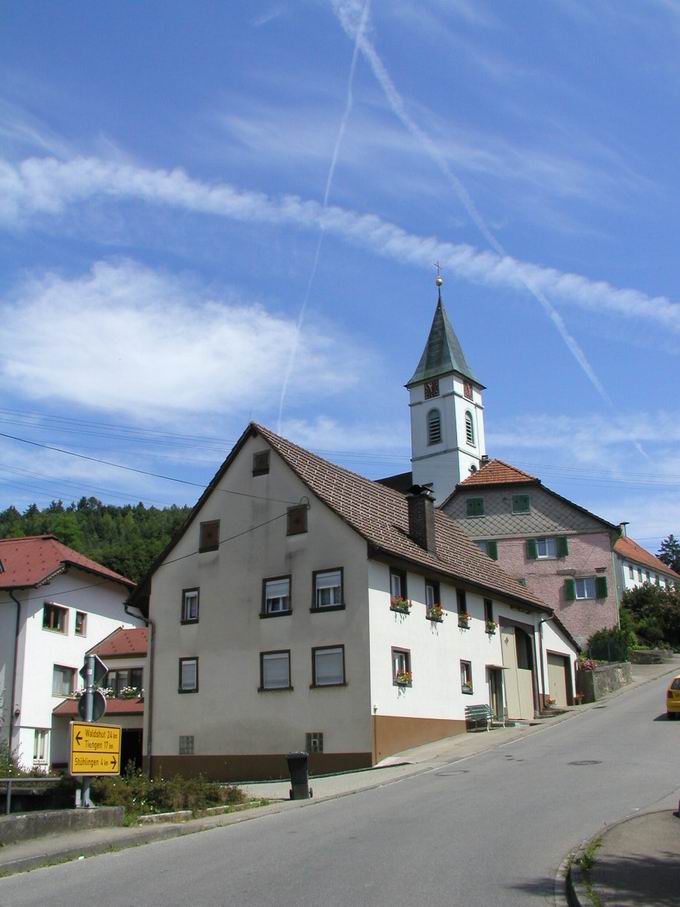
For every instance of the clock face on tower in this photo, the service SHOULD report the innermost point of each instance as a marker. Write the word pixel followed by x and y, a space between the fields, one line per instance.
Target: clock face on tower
pixel 431 389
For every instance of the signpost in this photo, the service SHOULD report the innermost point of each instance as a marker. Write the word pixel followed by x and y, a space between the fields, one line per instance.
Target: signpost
pixel 87 758
pixel 95 749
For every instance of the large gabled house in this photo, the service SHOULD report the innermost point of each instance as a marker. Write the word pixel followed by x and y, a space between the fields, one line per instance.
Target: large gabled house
pixel 54 604
pixel 563 552
pixel 302 606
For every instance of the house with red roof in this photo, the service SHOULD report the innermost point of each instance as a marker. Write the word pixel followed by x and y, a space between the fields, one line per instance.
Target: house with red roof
pixel 561 551
pixel 637 566
pixel 55 603
pixel 124 654
pixel 303 606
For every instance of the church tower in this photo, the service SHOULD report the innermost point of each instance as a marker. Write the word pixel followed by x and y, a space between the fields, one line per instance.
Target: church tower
pixel 447 414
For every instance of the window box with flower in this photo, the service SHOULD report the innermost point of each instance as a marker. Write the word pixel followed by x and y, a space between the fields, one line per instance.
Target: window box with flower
pixel 400 605
pixel 403 678
pixel 491 627
pixel 435 613
pixel 464 620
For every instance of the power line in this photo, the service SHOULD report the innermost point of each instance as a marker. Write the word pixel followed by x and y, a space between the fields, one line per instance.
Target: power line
pixel 142 472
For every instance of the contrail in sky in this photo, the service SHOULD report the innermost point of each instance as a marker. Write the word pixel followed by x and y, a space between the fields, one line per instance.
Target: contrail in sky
pixel 329 181
pixel 346 13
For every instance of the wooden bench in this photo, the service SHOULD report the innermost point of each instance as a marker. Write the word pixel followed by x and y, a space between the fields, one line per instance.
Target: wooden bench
pixel 474 714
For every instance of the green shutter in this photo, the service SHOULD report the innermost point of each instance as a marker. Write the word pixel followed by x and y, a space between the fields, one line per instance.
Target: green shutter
pixel 492 550
pixel 562 546
pixel 600 587
pixel 532 551
pixel 570 590
pixel 474 507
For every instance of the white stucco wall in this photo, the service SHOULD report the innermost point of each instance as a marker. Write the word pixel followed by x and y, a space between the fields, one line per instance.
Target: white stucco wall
pixel 641 575
pixel 436 650
pixel 228 715
pixel 40 650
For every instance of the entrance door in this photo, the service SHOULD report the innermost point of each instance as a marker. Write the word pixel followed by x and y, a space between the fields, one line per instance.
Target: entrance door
pixel 496 693
pixel 558 667
pixel 131 748
pixel 519 691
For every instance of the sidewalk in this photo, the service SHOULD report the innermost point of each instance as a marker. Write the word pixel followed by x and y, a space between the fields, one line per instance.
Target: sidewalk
pixel 79 844
pixel 637 860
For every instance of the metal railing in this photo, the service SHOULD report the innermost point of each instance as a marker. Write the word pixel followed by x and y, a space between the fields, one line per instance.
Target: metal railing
pixel 26 783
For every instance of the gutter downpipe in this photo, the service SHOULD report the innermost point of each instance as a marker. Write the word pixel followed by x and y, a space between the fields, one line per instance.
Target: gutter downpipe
pixel 14 667
pixel 148 700
pixel 542 649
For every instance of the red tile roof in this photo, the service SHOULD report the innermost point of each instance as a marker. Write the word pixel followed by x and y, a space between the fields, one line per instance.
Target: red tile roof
pixel 380 515
pixel 125 641
pixel 629 548
pixel 31 560
pixel 496 472
pixel 113 707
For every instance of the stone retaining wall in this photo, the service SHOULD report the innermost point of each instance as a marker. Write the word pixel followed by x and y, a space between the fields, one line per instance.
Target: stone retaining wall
pixel 595 684
pixel 33 825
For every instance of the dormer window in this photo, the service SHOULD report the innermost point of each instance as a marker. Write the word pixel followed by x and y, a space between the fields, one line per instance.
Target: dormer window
pixel 432 389
pixel 434 427
pixel 469 429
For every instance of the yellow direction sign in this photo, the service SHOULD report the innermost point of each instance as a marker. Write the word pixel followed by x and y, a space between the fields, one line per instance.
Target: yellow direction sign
pixel 95 749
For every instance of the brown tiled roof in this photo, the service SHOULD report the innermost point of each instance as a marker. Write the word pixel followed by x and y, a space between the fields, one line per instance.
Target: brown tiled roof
pixel 629 548
pixel 496 472
pixel 113 707
pixel 124 641
pixel 31 560
pixel 380 515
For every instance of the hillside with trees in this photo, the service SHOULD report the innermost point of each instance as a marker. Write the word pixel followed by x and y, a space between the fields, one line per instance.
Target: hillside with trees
pixel 125 539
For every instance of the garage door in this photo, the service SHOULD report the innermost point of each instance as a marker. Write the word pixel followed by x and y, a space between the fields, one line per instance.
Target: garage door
pixel 558 667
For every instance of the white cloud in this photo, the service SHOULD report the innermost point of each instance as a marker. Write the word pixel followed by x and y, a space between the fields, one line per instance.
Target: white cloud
pixel 39 187
pixel 128 339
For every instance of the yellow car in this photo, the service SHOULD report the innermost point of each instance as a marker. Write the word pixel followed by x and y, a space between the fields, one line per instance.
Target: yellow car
pixel 673 698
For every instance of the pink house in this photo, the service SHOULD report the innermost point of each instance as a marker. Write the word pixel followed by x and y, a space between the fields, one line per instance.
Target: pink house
pixel 561 551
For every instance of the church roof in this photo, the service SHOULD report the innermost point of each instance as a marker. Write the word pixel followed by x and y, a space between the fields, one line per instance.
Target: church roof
pixel 443 352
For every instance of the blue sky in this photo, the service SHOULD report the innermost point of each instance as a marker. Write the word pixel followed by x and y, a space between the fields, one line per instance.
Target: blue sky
pixel 217 212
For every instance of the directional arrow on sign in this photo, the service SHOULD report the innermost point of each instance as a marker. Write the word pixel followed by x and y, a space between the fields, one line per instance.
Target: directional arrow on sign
pixel 79 738
pixel 114 762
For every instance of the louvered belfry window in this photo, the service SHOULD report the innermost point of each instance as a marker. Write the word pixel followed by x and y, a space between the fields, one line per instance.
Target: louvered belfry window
pixel 434 427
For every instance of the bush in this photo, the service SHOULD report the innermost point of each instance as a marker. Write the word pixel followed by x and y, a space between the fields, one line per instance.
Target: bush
pixel 610 645
pixel 140 794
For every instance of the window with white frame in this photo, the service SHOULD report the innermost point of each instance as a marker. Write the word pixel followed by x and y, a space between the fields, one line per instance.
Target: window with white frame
pixel 466 676
pixel 276 595
pixel 186 744
pixel 55 618
pixel 585 587
pixel 546 548
pixel 190 598
pixel 328 588
pixel 401 667
pixel 469 429
pixel 63 680
pixel 631 571
pixel 188 675
pixel 81 623
pixel 275 670
pixel 125 682
pixel 328 666
pixel 397 584
pixel 41 739
pixel 432 596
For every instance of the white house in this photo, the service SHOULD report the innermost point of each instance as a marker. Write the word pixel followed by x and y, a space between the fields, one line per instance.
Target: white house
pixel 124 654
pixel 54 604
pixel 637 566
pixel 302 606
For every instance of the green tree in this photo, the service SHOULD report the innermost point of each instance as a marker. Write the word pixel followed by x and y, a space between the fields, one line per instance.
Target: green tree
pixel 655 614
pixel 669 552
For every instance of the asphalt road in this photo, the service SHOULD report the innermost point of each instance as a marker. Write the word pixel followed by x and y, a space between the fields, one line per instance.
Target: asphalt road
pixel 488 830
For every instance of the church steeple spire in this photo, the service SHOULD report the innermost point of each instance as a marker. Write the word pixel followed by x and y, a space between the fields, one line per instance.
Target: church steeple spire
pixel 447 414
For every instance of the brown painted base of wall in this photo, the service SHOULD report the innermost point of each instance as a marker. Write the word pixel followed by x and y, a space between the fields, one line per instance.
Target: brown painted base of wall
pixel 253 767
pixel 392 733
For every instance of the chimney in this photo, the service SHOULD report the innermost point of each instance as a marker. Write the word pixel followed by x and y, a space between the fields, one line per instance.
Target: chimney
pixel 483 460
pixel 622 529
pixel 420 502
